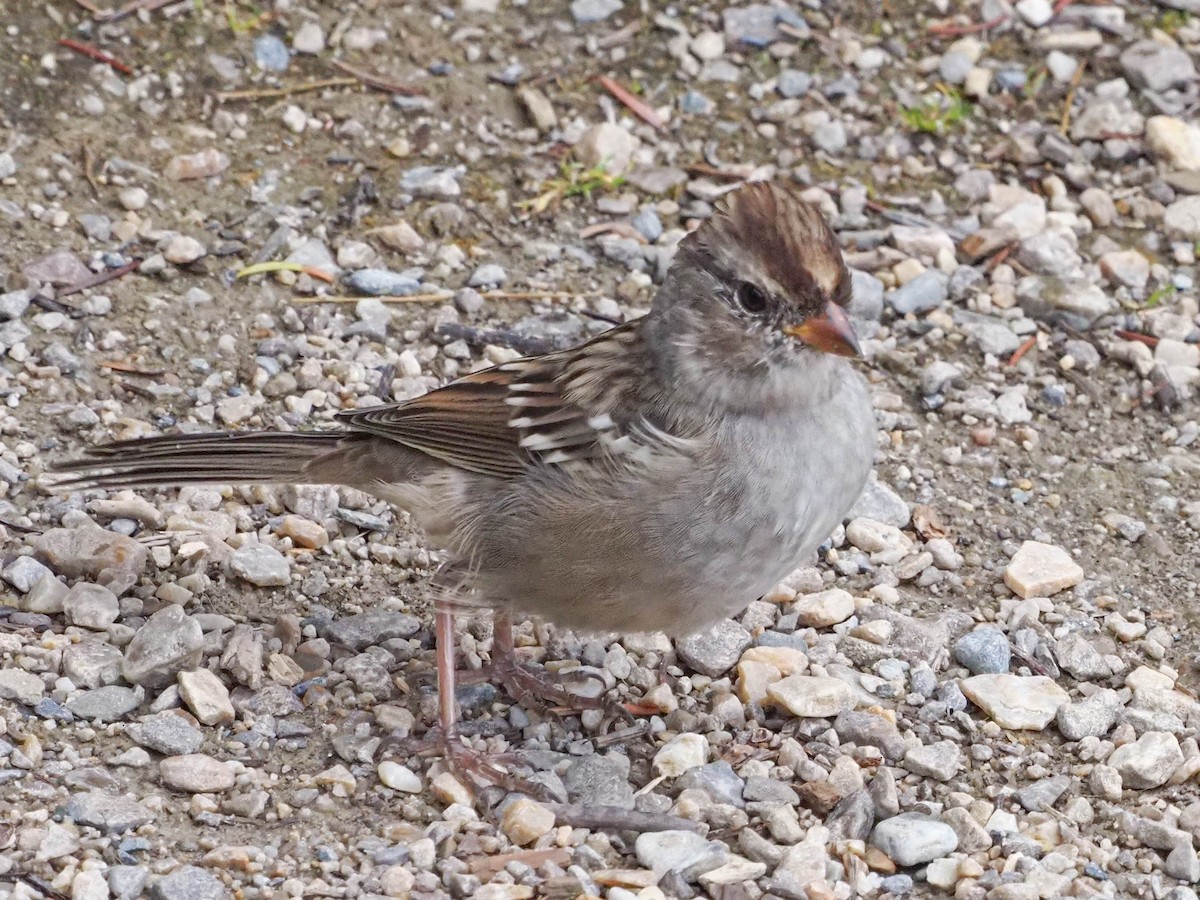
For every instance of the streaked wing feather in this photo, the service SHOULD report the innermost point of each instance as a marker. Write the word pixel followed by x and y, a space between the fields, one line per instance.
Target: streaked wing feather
pixel 551 409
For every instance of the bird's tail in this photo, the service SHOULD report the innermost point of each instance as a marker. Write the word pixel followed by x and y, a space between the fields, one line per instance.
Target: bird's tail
pixel 251 457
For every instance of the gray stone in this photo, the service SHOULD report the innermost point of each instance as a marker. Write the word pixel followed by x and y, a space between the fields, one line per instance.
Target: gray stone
pixel 866 729
pixel 587 12
pixel 127 882
pixel 22 686
pixel 111 559
pixel 489 275
pixel 104 704
pixel 168 643
pixel 793 83
pixel 1079 657
pixel 1157 66
pixel 189 883
pixel 984 651
pixel 1149 761
pixel 716 779
pixel 431 182
pixel 271 53
pixel 24 572
pixel 197 773
pixel 381 283
pixel 716 650
pixel 1043 793
pixel 167 733
pixel 46 596
pixel 366 629
pixel 1183 218
pixel 756 24
pixel 600 781
pixel 107 813
pixel 13 304
pixel 940 761
pixel 853 817
pixel 91 606
pixel 881 503
pixel 866 297
pixel 261 565
pixel 679 851
pixel 912 839
pixel 926 292
pixel 91 664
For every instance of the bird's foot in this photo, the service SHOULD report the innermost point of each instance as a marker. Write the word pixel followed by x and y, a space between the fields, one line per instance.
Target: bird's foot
pixel 476 767
pixel 534 689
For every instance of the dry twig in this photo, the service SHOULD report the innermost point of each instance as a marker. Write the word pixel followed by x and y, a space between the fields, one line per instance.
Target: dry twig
pixel 95 53
pixel 618 819
pixel 636 105
pixel 379 82
pixel 100 278
pixel 270 93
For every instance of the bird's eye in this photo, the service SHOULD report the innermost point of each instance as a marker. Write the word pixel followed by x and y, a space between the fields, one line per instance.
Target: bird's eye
pixel 751 297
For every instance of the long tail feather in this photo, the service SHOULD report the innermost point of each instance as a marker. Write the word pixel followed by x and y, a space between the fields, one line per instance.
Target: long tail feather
pixel 262 457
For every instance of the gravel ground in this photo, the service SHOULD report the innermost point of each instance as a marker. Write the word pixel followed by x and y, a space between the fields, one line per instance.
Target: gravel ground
pixel 984 685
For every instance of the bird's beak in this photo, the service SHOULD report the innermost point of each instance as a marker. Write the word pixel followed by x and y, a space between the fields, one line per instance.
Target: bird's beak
pixel 830 332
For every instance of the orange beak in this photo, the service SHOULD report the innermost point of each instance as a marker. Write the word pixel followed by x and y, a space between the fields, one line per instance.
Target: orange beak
pixel 830 332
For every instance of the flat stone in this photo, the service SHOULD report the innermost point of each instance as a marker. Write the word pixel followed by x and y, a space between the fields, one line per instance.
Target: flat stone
pixel 1156 66
pixel 526 820
pixel 972 836
pixel 599 781
pixel 802 865
pixel 811 696
pixel 189 883
pixel 104 704
pixel 203 164
pixel 715 650
pixel 197 773
pixel 1092 717
pixel 1182 218
pixel 169 642
pixel 940 761
pixel 107 813
pixel 1041 570
pixel 1175 141
pixel 24 572
pixel 866 729
pixel 1043 793
pixel 168 733
pixel 261 565
pixel 823 609
pixel 1016 702
pixel 206 696
pixel 912 839
pixel 926 292
pixel 678 851
pixel 367 629
pixel 681 753
pixel 984 651
pixel 879 502
pixel 22 686
pixel 91 606
pixel 1079 657
pixel 111 559
pixel 91 664
pixel 1149 761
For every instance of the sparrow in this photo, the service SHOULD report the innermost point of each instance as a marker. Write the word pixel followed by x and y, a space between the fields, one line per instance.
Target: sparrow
pixel 659 477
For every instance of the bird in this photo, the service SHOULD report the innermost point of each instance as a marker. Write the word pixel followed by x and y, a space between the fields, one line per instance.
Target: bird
pixel 661 476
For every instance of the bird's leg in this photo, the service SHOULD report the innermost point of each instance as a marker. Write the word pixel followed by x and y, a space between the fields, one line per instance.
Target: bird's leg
pixel 528 687
pixel 462 759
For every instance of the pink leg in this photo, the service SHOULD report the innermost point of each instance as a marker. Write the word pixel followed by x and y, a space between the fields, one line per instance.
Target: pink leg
pixel 444 635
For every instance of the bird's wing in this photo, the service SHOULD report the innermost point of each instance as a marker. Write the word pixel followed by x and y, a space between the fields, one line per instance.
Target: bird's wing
pixel 552 409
